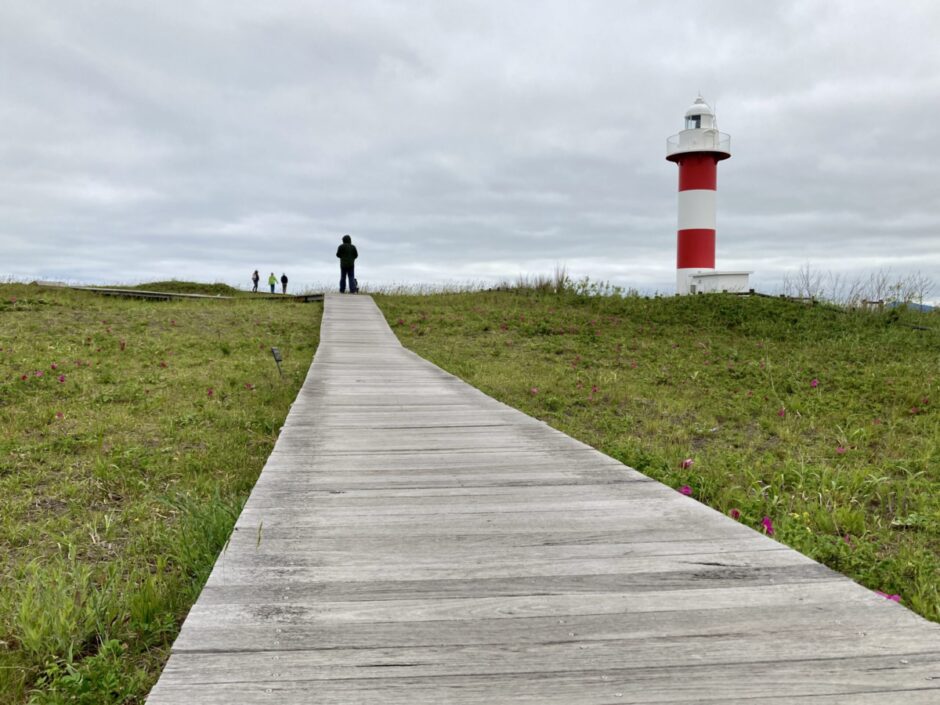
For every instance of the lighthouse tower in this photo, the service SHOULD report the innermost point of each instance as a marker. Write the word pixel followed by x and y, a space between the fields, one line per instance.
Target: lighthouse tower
pixel 697 150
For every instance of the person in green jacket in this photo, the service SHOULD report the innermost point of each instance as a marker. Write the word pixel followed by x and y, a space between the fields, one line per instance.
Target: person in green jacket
pixel 347 265
pixel 272 282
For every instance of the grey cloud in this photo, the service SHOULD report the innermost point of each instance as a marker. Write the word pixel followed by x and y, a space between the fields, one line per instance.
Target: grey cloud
pixel 460 140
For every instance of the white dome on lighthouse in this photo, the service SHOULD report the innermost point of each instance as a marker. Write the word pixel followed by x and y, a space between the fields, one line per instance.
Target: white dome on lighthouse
pixel 700 116
pixel 699 107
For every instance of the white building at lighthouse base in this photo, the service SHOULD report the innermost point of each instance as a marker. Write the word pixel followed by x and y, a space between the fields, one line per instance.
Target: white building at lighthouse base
pixel 711 281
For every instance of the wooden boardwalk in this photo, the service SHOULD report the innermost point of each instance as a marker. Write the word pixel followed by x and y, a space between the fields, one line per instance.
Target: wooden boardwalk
pixel 414 541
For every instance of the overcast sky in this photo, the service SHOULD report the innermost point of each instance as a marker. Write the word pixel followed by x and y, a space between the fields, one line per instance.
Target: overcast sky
pixel 461 140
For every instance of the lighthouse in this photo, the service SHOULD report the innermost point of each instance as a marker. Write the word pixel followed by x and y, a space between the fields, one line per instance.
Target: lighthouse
pixel 697 150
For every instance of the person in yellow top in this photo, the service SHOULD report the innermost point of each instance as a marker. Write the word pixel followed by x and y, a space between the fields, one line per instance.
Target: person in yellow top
pixel 272 282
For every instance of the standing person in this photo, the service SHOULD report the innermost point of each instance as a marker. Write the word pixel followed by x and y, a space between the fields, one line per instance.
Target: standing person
pixel 347 265
pixel 255 278
pixel 283 283
pixel 272 281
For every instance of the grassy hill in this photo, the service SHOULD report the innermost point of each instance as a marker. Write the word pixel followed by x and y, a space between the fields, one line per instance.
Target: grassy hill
pixel 132 431
pixel 818 424
pixel 182 287
pixel 130 435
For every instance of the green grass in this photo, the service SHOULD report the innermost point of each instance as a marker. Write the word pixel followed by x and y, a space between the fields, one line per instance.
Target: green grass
pixel 181 287
pixel 130 435
pixel 846 469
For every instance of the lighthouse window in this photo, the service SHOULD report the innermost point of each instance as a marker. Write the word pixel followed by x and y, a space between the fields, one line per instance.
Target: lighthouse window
pixel 693 122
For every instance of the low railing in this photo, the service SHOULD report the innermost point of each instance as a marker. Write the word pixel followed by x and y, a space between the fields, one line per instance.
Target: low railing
pixel 698 141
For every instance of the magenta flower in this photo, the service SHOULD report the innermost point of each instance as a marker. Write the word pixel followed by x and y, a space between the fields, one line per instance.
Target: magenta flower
pixel 210 392
pixel 249 386
pixel 814 383
pixel 24 377
pixel 768 525
pixel 534 391
pixel 401 321
pixel 782 412
pixel 735 514
pixel 893 598
pixel 840 450
pixel 54 366
pixel 59 415
pixel 61 378
pixel 37 373
pixel 593 389
pixel 686 490
pixel 686 464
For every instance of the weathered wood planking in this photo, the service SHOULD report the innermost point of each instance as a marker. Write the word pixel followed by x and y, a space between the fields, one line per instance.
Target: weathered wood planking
pixel 413 541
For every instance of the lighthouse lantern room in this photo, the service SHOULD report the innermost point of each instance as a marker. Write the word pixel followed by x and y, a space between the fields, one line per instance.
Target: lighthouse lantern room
pixel 697 151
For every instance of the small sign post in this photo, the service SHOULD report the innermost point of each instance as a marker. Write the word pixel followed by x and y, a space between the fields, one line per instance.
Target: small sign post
pixel 277 359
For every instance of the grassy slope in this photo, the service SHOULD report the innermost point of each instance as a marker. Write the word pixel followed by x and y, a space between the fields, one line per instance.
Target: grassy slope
pixel 847 470
pixel 120 483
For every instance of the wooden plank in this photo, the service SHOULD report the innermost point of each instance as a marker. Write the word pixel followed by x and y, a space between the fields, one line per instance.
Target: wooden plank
pixel 906 678
pixel 412 540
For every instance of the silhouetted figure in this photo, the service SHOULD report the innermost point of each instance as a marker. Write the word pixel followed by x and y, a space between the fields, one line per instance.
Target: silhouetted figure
pixel 255 278
pixel 283 283
pixel 347 265
pixel 272 281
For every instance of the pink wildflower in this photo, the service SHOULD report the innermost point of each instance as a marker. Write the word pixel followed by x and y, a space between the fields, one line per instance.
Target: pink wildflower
pixel 54 366
pixel 37 373
pixel 401 321
pixel 534 391
pixel 61 378
pixel 210 392
pixel 735 514
pixel 814 383
pixel 24 377
pixel 249 386
pixel 914 411
pixel 840 450
pixel 686 464
pixel 58 415
pixel 782 412
pixel 768 525
pixel 893 598
pixel 686 490
pixel 593 389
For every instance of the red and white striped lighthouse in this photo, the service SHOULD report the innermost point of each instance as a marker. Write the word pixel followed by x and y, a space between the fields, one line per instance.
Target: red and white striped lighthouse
pixel 697 150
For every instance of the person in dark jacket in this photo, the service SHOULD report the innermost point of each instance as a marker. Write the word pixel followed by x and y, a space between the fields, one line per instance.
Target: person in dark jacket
pixel 347 265
pixel 255 278
pixel 283 283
